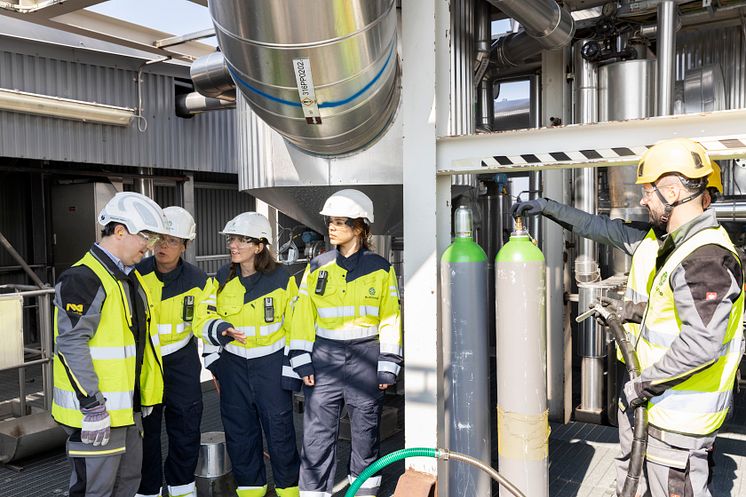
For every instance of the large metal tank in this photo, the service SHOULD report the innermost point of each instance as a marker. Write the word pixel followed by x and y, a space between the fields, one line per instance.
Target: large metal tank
pixel 626 90
pixel 323 74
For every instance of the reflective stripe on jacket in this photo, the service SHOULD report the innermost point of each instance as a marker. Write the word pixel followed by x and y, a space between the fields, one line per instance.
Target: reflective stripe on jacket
pixel 171 300
pixel 347 308
pixel 698 404
pixel 113 353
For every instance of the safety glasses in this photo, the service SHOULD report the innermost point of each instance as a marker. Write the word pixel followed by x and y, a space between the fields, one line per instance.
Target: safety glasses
pixel 150 239
pixel 241 241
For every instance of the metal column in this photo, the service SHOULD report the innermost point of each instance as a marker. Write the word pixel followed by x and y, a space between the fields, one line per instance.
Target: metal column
pixel 668 20
pixel 425 39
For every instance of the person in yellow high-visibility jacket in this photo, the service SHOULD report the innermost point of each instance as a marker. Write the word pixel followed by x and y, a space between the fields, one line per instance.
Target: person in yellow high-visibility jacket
pixel 345 343
pixel 175 286
pixel 107 363
pixel 244 322
pixel 684 309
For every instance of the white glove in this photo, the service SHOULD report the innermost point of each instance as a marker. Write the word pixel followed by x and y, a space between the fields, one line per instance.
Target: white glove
pixel 147 411
pixel 96 428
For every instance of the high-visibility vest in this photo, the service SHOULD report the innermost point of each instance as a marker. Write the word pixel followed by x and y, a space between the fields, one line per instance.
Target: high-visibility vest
pixel 265 320
pixel 641 273
pixel 113 352
pixel 367 306
pixel 174 327
pixel 699 404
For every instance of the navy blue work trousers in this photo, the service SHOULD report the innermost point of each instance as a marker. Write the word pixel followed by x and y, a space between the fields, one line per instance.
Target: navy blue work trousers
pixel 182 406
pixel 252 400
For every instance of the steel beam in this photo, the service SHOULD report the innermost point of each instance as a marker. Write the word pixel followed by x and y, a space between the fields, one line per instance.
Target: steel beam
pixel 614 143
pixel 425 39
pixel 178 40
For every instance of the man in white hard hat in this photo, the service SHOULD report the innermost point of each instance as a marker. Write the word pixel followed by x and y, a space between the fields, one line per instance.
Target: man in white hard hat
pixel 175 286
pixel 107 362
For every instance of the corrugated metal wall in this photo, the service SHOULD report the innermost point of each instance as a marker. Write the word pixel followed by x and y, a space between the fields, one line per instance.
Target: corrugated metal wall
pixel 724 46
pixel 205 142
pixel 214 206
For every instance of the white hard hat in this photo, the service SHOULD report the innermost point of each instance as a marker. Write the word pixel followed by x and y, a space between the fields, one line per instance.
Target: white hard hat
pixel 180 223
pixel 136 212
pixel 349 203
pixel 250 224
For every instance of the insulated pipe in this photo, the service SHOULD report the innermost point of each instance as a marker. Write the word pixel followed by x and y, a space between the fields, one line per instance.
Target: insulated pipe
pixel 194 103
pixel 465 352
pixel 212 78
pixel 522 416
pixel 513 49
pixel 666 53
pixel 485 88
pixel 730 210
pixel 324 74
pixel 544 20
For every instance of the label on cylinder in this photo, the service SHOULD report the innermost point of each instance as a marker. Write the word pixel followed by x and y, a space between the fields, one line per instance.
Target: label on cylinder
pixel 306 91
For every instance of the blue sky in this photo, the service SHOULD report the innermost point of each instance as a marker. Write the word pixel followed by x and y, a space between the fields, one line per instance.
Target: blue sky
pixel 180 17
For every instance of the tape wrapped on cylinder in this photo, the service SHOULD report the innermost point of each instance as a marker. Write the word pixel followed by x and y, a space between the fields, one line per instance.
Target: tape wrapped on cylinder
pixel 523 436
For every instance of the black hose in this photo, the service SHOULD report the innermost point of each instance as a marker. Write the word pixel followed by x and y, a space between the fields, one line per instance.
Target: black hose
pixel 640 434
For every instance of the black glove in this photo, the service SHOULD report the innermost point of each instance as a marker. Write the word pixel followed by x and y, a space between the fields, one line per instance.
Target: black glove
pixel 529 208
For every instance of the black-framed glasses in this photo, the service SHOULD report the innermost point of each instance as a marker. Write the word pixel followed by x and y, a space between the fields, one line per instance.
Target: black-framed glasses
pixel 337 222
pixel 241 241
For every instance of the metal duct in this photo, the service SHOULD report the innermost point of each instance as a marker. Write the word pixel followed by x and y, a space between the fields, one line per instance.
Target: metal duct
pixel 626 90
pixel 328 83
pixel 730 210
pixel 544 20
pixel 211 77
pixel 193 103
pixel 547 26
pixel 666 54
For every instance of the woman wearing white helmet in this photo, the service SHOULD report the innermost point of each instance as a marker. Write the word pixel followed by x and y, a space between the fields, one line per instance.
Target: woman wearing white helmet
pixel 345 343
pixel 175 286
pixel 246 321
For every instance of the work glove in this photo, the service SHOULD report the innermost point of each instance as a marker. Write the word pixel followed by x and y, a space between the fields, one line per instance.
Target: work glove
pixel 96 427
pixel 614 306
pixel 528 208
pixel 633 393
pixel 147 411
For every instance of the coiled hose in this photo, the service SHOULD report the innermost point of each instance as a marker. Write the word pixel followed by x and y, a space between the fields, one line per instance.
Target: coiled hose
pixel 640 434
pixel 434 453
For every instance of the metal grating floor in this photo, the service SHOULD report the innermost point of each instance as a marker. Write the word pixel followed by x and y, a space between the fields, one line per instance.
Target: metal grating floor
pixel 581 456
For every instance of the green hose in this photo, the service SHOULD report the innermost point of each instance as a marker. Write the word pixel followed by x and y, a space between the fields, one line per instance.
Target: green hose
pixel 385 461
pixel 426 452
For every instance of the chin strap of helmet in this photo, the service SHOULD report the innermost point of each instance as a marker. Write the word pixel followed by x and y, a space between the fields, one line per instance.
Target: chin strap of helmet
pixel 668 207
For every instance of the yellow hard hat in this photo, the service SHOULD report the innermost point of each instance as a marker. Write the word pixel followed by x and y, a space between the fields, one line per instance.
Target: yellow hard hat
pixel 714 180
pixel 677 155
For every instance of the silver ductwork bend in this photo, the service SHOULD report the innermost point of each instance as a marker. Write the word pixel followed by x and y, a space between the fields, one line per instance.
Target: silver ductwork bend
pixel 352 67
pixel 546 26
pixel 212 78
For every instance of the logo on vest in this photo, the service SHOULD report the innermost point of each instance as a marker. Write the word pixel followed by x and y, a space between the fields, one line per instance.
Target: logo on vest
pixel 77 308
pixel 372 291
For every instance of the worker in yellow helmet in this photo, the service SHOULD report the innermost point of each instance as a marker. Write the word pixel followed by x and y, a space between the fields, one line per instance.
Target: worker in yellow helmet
pixel 107 362
pixel 683 306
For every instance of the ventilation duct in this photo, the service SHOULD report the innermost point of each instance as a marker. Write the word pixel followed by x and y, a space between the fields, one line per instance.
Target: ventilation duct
pixel 327 82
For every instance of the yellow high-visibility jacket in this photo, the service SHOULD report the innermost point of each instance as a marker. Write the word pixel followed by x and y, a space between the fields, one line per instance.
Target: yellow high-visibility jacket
pixel 343 299
pixel 95 357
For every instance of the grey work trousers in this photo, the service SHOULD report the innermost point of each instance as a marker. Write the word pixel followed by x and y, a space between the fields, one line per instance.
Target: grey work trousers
pixel 676 466
pixel 345 373
pixel 106 475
